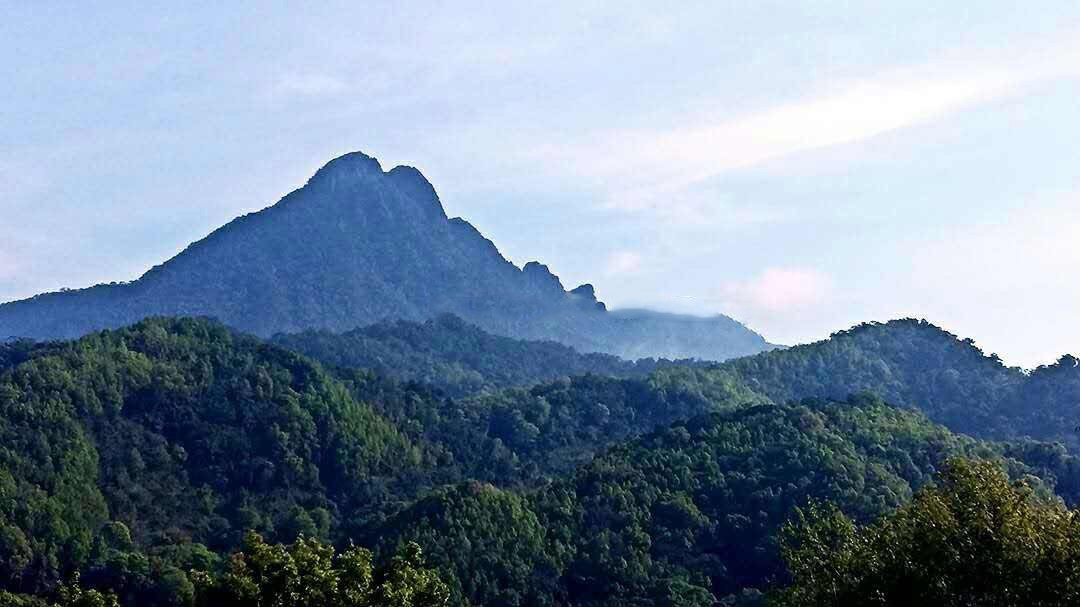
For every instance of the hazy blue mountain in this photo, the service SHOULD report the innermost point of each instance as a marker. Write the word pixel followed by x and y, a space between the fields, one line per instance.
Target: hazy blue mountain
pixel 358 245
pixel 455 356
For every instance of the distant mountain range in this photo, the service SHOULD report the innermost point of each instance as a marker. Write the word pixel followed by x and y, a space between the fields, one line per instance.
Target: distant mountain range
pixel 358 245
pixel 456 357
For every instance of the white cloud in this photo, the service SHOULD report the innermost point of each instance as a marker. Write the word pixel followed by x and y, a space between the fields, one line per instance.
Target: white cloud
pixel 622 262
pixel 708 209
pixel 779 291
pixel 653 168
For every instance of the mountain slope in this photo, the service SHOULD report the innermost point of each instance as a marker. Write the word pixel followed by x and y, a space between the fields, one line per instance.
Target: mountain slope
pixel 357 245
pixel 907 362
pixel 455 356
pixel 184 435
pixel 169 438
pixel 137 455
pixel 685 515
pixel 915 364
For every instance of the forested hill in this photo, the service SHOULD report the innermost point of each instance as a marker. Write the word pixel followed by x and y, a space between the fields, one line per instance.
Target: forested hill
pixel 908 362
pixel 686 516
pixel 184 436
pixel 916 364
pixel 456 356
pixel 139 457
pixel 358 245
pixel 135 455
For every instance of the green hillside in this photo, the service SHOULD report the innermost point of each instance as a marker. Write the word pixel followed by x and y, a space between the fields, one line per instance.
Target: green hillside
pixel 455 356
pixel 138 464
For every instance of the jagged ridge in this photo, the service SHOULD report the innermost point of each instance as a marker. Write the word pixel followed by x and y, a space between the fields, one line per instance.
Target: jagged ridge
pixel 358 245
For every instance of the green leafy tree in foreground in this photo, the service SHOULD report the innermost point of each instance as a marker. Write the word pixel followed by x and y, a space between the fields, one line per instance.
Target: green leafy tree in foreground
pixel 309 573
pixel 75 596
pixel 67 595
pixel 974 539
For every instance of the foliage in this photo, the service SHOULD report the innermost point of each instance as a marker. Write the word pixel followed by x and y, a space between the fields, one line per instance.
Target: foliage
pixel 139 458
pixel 490 538
pixel 457 357
pixel 1047 404
pixel 915 364
pixel 526 436
pixel 310 573
pixel 974 539
pixel 131 453
pixel 685 515
pixel 906 362
pixel 67 595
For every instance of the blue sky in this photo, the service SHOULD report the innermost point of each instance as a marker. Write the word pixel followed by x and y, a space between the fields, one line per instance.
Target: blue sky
pixel 802 166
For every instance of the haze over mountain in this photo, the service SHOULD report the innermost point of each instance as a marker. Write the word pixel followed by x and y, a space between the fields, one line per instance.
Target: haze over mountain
pixel 457 357
pixel 357 245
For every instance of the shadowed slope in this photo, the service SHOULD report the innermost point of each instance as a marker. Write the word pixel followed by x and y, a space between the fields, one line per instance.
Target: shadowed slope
pixel 357 245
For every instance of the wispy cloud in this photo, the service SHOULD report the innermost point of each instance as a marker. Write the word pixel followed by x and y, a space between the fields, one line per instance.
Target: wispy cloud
pixel 779 290
pixel 649 167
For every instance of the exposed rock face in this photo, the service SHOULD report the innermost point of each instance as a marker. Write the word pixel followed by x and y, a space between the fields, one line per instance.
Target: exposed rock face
pixel 354 246
pixel 586 296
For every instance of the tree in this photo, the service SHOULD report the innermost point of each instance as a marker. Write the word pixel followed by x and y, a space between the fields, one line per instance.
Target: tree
pixel 73 595
pixel 309 573
pixel 974 539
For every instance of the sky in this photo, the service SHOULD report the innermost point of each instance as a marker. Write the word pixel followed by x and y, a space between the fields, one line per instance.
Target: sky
pixel 800 166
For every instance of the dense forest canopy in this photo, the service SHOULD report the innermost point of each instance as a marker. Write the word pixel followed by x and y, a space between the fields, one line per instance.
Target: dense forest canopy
pixel 907 362
pixel 458 357
pixel 177 436
pixel 916 364
pixel 177 462
pixel 973 539
pixel 689 514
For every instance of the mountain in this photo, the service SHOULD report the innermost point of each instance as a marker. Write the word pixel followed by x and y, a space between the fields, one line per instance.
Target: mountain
pixel 455 356
pixel 139 457
pixel 178 435
pixel 172 437
pixel 358 245
pixel 686 515
pixel 916 364
pixel 907 362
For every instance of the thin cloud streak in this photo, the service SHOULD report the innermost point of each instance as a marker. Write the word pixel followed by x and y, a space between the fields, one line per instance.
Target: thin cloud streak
pixel 651 168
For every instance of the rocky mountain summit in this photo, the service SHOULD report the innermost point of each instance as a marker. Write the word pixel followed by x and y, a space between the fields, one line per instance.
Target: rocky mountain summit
pixel 358 245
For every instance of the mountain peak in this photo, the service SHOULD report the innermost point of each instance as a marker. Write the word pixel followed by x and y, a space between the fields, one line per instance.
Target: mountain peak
pixel 411 182
pixel 540 276
pixel 587 295
pixel 358 175
pixel 355 246
pixel 347 168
